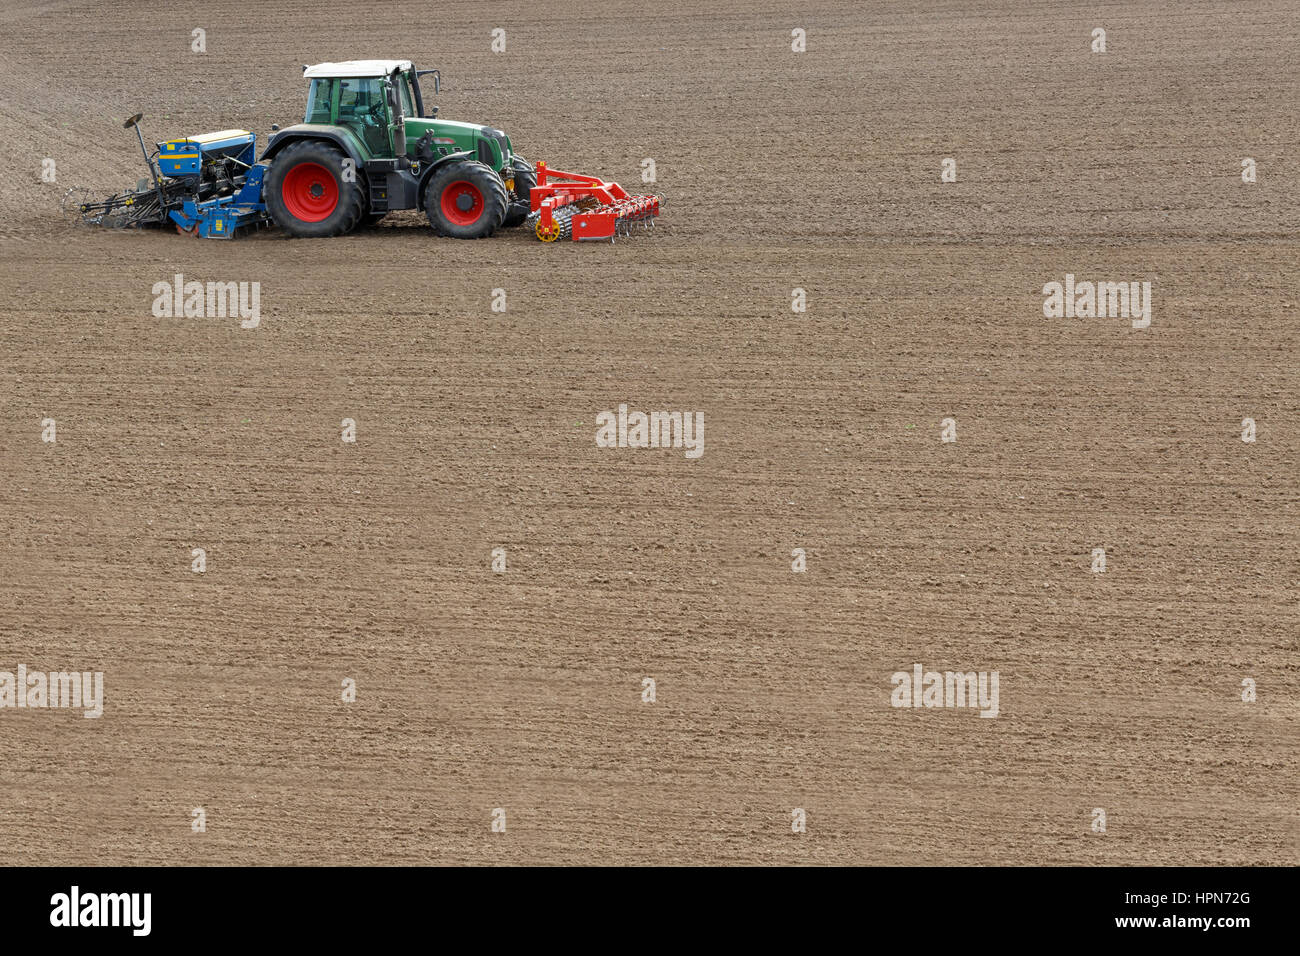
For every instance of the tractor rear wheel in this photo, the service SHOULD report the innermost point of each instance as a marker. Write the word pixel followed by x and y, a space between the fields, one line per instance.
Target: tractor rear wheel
pixel 465 200
pixel 307 193
pixel 525 180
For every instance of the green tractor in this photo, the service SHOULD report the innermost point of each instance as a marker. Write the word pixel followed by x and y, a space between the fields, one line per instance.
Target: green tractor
pixel 368 146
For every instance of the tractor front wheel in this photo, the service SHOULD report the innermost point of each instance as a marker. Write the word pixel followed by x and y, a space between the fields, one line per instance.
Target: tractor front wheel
pixel 308 194
pixel 465 200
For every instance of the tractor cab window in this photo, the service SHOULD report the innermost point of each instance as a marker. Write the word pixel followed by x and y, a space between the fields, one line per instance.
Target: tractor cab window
pixel 318 102
pixel 362 107
pixel 361 99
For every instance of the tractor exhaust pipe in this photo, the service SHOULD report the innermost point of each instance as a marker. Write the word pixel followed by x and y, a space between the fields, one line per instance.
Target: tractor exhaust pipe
pixel 399 122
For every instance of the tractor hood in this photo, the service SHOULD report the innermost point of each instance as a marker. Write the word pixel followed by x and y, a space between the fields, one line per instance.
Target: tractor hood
pixel 491 145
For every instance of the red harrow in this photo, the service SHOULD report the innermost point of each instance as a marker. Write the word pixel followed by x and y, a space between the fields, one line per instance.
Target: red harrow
pixel 584 207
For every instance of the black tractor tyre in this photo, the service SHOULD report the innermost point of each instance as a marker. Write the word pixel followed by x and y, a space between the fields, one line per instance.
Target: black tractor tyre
pixel 308 195
pixel 525 180
pixel 465 200
pixel 515 215
pixel 372 219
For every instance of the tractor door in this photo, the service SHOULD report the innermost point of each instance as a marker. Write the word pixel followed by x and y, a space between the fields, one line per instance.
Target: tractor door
pixel 362 109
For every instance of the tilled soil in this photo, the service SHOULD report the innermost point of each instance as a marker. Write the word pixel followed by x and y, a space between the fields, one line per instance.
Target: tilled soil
pixel 475 430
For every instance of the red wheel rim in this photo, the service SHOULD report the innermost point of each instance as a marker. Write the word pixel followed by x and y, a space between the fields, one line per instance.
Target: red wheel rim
pixel 310 192
pixel 462 203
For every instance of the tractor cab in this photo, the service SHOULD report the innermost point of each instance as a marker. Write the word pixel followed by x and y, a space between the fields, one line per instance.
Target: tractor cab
pixel 379 103
pixel 372 98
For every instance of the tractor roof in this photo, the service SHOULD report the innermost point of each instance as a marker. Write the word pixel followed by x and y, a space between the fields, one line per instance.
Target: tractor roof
pixel 356 68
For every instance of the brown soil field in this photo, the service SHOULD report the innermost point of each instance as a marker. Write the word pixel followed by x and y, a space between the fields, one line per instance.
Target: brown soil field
pixel 475 430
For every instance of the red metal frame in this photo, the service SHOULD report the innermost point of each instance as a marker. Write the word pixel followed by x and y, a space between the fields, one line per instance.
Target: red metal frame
pixel 556 189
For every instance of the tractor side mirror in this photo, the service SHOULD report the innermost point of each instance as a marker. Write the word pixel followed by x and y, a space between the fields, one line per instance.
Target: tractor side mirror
pixel 437 79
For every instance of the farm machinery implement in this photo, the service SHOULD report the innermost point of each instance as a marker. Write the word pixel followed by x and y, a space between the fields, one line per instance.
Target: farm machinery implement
pixel 584 207
pixel 366 147
pixel 194 183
